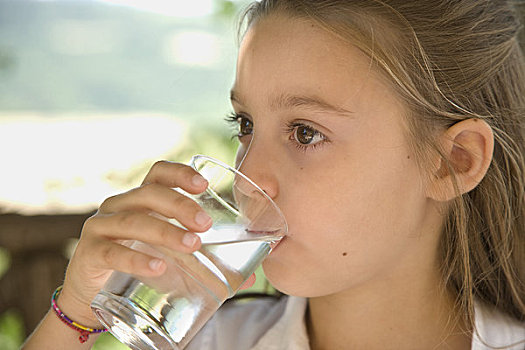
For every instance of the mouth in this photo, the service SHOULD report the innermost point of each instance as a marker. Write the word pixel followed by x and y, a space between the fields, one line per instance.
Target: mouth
pixel 266 235
pixel 275 244
pixel 274 237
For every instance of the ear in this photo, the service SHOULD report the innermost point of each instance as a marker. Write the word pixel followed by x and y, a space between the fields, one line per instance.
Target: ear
pixel 468 147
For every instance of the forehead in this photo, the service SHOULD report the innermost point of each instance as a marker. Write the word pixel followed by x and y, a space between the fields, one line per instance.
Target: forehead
pixel 280 54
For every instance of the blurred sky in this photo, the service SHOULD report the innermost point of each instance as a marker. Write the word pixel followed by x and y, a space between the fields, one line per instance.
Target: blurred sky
pixel 70 135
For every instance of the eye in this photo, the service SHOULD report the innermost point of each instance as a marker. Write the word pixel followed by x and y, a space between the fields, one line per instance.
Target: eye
pixel 242 124
pixel 245 126
pixel 307 135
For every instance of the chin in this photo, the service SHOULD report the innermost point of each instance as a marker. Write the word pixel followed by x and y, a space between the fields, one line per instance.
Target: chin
pixel 288 273
pixel 284 268
pixel 287 278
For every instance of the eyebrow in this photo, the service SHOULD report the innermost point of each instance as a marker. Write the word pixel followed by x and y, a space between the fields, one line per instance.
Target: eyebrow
pixel 287 101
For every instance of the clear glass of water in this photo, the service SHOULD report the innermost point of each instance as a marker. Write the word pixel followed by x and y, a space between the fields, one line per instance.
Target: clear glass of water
pixel 166 312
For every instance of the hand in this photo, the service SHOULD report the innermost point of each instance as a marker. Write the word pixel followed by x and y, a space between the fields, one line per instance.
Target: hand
pixel 133 215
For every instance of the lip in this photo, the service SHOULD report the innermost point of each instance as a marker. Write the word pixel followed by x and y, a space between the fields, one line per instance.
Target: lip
pixel 275 244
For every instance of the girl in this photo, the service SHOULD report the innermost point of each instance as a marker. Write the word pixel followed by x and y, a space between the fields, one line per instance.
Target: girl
pixel 391 134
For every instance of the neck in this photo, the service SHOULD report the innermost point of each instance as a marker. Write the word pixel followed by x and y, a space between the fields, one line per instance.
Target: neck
pixel 402 315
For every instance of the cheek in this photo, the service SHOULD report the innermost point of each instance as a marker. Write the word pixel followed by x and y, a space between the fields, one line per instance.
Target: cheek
pixel 241 152
pixel 244 144
pixel 308 200
pixel 345 225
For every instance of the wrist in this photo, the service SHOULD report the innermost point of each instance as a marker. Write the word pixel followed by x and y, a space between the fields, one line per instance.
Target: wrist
pixel 77 310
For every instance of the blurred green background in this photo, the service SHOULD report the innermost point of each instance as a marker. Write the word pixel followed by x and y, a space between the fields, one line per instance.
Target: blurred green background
pixel 92 92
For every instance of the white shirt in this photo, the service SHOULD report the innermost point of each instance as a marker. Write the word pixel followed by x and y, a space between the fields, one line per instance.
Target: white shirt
pixel 270 324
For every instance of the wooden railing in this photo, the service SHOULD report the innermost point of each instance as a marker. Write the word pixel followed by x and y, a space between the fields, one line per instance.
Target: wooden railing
pixel 37 247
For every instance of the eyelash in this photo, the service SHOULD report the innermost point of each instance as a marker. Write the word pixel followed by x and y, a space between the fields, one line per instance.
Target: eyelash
pixel 235 118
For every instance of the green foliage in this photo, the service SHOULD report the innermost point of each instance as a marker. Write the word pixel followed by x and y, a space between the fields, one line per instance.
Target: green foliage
pixel 11 330
pixel 227 8
pixel 7 61
pixel 108 342
pixel 5 261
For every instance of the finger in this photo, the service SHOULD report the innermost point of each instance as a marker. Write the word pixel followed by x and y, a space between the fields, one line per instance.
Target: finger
pixel 109 255
pixel 174 175
pixel 162 200
pixel 143 227
pixel 249 282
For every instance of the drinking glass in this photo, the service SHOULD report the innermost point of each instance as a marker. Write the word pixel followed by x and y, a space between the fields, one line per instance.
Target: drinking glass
pixel 166 312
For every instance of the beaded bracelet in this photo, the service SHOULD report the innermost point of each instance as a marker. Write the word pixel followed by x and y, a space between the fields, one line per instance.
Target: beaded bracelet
pixel 84 331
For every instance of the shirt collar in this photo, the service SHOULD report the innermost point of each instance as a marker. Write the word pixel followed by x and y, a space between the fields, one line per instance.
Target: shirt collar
pixel 496 330
pixel 289 332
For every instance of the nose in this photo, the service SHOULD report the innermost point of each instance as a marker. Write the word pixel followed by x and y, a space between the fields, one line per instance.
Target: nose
pixel 258 163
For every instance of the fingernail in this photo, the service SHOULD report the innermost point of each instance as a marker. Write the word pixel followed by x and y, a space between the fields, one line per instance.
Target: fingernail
pixel 155 264
pixel 198 181
pixel 202 219
pixel 189 240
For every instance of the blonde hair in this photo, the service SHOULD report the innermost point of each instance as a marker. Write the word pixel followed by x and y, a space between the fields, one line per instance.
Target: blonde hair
pixel 450 61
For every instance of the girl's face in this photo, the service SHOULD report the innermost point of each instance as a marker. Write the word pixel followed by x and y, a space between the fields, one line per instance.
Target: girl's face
pixel 325 136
